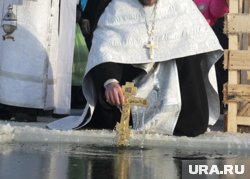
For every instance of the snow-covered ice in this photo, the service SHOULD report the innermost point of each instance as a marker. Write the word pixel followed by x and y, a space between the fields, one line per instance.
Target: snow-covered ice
pixel 6 133
pixel 36 132
pixel 34 152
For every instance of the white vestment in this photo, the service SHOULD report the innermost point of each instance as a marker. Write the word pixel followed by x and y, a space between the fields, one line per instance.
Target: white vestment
pixel 36 68
pixel 120 37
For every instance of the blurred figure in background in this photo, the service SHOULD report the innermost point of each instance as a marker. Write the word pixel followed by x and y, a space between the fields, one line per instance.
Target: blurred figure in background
pixel 80 60
pixel 88 14
pixel 90 17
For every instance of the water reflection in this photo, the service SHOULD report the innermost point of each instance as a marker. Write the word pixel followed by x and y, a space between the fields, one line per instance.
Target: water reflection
pixel 71 161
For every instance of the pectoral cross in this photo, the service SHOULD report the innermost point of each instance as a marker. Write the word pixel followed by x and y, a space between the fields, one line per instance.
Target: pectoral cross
pixel 151 47
pixel 123 131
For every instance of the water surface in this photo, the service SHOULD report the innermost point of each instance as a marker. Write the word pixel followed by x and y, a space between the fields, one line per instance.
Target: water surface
pixel 78 161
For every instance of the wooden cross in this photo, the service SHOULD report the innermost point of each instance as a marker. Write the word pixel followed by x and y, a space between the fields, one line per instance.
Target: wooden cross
pixel 151 47
pixel 123 131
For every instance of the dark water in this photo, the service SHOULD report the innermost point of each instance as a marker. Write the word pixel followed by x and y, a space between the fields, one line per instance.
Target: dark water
pixel 73 161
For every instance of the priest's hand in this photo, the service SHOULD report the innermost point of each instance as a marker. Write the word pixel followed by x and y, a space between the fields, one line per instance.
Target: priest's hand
pixel 114 94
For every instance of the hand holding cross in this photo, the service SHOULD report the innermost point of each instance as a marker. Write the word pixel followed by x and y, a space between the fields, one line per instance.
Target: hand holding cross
pixel 122 127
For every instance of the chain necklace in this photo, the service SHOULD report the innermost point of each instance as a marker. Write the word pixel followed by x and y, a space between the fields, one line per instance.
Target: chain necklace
pixel 150 32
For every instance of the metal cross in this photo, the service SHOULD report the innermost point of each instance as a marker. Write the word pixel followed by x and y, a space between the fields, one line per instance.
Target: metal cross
pixel 122 128
pixel 151 47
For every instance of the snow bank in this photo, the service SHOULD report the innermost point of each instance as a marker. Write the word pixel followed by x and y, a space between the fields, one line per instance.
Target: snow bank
pixel 6 133
pixel 210 140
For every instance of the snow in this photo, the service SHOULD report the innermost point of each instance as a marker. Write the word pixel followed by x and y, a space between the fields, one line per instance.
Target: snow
pixel 6 133
pixel 36 132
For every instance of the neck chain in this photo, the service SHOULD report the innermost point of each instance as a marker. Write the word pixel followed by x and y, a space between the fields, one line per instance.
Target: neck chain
pixel 150 32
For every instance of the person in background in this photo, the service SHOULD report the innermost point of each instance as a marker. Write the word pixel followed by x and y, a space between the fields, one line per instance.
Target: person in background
pixel 83 4
pixel 88 14
pixel 214 12
pixel 212 9
pixel 79 62
pixel 90 17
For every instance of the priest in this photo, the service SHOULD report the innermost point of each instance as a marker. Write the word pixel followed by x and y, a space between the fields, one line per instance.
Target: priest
pixel 168 50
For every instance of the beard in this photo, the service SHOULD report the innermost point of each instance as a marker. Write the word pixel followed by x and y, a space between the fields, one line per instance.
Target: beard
pixel 147 2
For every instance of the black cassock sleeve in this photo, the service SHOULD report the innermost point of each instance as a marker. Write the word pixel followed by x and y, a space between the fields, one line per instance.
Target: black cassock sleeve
pixel 121 72
pixel 106 115
pixel 106 71
pixel 101 73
